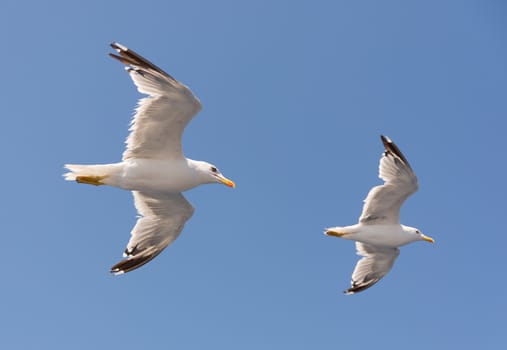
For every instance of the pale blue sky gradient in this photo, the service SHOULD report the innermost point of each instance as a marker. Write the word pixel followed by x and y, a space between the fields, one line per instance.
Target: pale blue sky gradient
pixel 295 96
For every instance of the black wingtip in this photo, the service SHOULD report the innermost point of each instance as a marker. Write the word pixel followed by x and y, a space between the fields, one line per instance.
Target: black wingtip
pixel 117 46
pixel 126 56
pixel 115 56
pixel 391 147
pixel 385 139
pixel 130 57
pixel 132 262
pixel 356 288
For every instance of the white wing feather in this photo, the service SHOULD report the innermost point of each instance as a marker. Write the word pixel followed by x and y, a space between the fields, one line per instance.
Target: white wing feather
pixel 159 120
pixel 162 217
pixel 375 263
pixel 383 203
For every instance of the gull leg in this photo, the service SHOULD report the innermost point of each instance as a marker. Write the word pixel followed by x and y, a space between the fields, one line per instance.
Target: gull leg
pixel 91 180
pixel 330 232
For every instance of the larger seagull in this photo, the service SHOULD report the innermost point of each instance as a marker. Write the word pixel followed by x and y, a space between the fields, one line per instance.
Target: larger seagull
pixel 153 166
pixel 379 234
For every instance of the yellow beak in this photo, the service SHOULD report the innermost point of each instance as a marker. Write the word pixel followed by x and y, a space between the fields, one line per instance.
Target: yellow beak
pixel 428 239
pixel 226 181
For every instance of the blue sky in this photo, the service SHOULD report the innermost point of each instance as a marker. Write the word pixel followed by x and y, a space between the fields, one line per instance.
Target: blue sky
pixel 295 96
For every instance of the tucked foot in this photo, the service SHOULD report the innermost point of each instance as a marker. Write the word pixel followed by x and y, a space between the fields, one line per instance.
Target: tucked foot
pixel 91 180
pixel 335 233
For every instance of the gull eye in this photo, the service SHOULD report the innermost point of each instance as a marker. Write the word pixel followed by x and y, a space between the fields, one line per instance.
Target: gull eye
pixel 214 170
pixel 418 232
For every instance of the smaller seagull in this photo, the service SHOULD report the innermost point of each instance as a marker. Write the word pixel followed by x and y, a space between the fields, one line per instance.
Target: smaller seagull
pixel 379 234
pixel 153 165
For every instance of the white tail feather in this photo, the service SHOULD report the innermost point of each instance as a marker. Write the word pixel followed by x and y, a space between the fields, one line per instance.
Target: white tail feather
pixel 88 170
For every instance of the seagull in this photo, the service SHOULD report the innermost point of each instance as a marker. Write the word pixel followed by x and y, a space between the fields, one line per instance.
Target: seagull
pixel 153 165
pixel 379 234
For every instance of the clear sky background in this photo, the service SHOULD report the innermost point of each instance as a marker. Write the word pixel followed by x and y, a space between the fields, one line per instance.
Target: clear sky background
pixel 295 96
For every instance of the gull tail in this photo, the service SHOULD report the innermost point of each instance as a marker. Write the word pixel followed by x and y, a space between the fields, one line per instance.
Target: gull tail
pixel 342 232
pixel 90 174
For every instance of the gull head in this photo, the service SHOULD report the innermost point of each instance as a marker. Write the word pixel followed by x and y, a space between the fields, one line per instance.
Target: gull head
pixel 417 235
pixel 210 174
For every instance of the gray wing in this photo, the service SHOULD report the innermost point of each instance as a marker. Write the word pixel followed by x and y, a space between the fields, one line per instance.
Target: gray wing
pixel 383 203
pixel 160 118
pixel 162 217
pixel 375 263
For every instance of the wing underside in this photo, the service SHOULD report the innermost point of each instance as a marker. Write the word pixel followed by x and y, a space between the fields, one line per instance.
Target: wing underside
pixel 383 203
pixel 375 263
pixel 159 120
pixel 162 217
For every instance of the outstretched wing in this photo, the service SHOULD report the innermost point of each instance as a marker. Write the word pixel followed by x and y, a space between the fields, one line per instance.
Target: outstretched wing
pixel 383 203
pixel 160 118
pixel 375 263
pixel 162 217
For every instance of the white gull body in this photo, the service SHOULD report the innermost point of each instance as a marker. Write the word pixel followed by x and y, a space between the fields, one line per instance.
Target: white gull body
pixel 379 234
pixel 153 166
